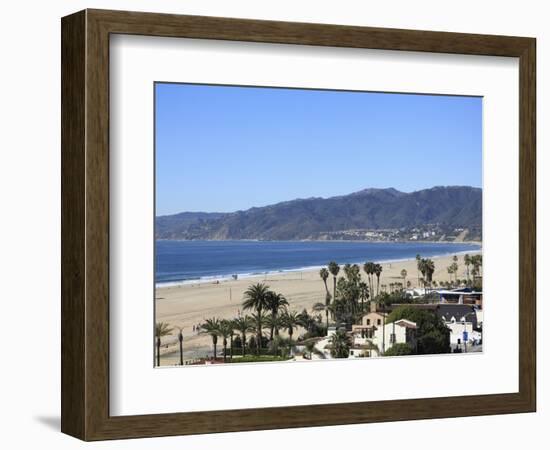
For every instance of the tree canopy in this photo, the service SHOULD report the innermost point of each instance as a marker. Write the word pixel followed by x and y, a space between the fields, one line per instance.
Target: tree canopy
pixel 432 335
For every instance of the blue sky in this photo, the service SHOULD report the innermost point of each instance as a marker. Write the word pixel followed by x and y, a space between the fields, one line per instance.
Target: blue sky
pixel 226 148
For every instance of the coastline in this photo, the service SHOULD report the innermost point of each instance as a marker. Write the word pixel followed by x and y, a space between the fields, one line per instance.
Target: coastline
pixel 187 305
pixel 272 272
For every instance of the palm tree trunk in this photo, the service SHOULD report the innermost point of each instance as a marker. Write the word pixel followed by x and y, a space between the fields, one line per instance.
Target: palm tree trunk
pixel 334 291
pixel 215 352
pixel 181 352
pixel 326 314
pixel 290 333
pixel 384 329
pixel 224 350
pixel 158 351
pixel 259 332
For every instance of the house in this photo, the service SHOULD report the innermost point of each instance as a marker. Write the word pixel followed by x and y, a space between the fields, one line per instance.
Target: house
pixel 373 336
pixel 462 321
pixel 459 318
pixel 462 330
pixel 381 338
pixel 373 318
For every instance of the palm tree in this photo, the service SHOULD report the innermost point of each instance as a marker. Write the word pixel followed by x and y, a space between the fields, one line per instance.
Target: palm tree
pixel 418 259
pixel 180 339
pixel 477 262
pixel 161 329
pixel 352 272
pixel 225 331
pixel 276 304
pixel 363 295
pixel 334 268
pixel 260 320
pixel 291 320
pixel 323 273
pixel 256 298
pixel 404 276
pixel 306 321
pixel 429 269
pixel 455 267
pixel 326 307
pixel 243 325
pixel 382 305
pixel 340 344
pixel 232 323
pixel 212 328
pixel 377 271
pixel 467 262
pixel 450 272
pixel 368 267
pixel 274 323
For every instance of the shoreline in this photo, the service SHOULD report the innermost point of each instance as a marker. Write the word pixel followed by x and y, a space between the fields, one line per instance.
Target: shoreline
pixel 221 278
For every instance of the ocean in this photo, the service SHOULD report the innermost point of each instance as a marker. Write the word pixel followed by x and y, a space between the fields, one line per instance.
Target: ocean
pixel 179 262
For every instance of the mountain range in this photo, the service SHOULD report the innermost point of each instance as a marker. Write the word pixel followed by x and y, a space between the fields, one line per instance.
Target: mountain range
pixel 312 218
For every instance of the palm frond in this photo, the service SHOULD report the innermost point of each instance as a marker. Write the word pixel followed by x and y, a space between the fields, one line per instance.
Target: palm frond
pixel 162 329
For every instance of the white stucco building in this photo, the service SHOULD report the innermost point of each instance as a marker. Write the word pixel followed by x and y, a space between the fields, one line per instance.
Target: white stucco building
pixel 372 340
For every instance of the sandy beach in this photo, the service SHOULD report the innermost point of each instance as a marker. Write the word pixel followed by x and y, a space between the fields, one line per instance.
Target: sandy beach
pixel 186 305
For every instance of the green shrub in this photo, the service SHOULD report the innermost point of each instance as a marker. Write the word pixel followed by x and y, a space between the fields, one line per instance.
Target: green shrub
pixel 399 349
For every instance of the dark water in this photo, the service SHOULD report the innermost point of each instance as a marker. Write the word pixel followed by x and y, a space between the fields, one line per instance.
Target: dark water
pixel 179 261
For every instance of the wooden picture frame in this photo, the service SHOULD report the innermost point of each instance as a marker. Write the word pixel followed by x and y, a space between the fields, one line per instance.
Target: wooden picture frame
pixel 85 224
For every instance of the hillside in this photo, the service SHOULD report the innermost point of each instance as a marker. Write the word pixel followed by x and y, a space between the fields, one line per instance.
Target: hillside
pixel 448 208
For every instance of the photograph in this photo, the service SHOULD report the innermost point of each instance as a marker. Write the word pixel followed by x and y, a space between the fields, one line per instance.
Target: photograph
pixel 296 224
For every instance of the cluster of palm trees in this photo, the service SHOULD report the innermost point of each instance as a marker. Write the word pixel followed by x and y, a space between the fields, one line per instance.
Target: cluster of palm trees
pixel 453 269
pixel 268 310
pixel 426 267
pixel 260 299
pixel 476 261
pixel 349 292
pixel 373 269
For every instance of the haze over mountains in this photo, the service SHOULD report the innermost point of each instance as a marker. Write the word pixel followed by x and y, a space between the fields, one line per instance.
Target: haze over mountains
pixel 449 207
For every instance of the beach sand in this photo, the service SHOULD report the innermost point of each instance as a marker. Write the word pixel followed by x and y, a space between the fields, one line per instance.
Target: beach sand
pixel 190 304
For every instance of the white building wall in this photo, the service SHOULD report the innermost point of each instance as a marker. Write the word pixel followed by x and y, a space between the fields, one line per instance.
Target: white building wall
pixel 457 329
